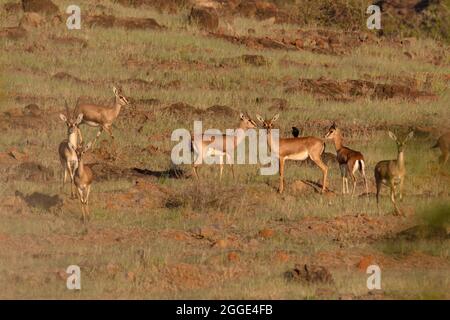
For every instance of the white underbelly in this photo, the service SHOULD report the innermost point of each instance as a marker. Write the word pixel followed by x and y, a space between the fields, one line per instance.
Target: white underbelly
pixel 91 123
pixel 297 156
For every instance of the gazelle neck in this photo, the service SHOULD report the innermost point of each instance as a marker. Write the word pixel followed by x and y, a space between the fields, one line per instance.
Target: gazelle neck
pixel 401 159
pixel 73 138
pixel 337 141
pixel 80 167
pixel 117 107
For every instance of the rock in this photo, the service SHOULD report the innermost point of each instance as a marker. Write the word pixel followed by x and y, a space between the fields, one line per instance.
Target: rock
pixel 233 257
pixel 254 60
pixel 31 20
pixel 32 110
pixel 266 233
pixel 222 111
pixel 13 33
pixel 221 243
pixel 364 262
pixel 281 256
pixel 40 6
pixel 309 274
pixel 66 77
pixel 298 186
pixel 206 18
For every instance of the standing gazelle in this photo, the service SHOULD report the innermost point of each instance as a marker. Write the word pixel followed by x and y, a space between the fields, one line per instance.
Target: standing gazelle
pixel 83 179
pixel 349 160
pixel 392 172
pixel 443 143
pixel 295 149
pixel 67 147
pixel 208 145
pixel 102 116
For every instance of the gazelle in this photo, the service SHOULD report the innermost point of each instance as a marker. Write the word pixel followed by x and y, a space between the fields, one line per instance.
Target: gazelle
pixel 202 148
pixel 443 143
pixel 295 149
pixel 83 178
pixel 349 160
pixel 67 147
pixel 392 172
pixel 102 116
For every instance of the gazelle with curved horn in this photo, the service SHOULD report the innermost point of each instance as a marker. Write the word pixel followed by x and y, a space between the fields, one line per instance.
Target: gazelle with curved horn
pixel 349 160
pixel 207 145
pixel 83 178
pixel 392 172
pixel 295 149
pixel 102 116
pixel 67 147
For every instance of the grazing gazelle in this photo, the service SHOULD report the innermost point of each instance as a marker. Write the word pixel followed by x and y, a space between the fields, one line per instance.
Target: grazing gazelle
pixel 392 172
pixel 67 147
pixel 349 160
pixel 443 143
pixel 83 179
pixel 202 148
pixel 102 116
pixel 296 149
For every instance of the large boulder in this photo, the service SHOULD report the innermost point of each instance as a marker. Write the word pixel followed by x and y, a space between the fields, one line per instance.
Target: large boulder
pixel 206 18
pixel 40 6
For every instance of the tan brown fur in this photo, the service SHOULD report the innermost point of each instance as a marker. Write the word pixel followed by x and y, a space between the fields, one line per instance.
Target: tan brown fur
pixel 392 172
pixel 443 143
pixel 349 160
pixel 296 149
pixel 102 116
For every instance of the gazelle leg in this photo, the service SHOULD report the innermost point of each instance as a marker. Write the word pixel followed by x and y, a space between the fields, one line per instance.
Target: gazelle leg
pixel 86 201
pixel 378 195
pixel 393 200
pixel 80 196
pixel 318 161
pixel 281 187
pixel 365 181
pixel 64 178
pixel 72 186
pixel 400 188
pixel 109 130
pixel 343 185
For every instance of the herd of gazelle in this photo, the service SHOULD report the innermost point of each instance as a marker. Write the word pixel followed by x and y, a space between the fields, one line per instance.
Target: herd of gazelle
pixel 72 149
pixel 388 172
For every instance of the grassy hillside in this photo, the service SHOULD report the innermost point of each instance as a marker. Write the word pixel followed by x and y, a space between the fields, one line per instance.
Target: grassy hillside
pixel 155 231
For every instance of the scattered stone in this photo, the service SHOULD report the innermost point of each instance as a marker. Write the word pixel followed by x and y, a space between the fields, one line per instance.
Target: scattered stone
pixel 233 257
pixel 31 20
pixel 40 6
pixel 206 18
pixel 365 262
pixel 266 233
pixel 309 274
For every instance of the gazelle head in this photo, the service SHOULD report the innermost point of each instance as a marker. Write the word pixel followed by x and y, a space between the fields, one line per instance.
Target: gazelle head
pixel 332 131
pixel 120 99
pixel 246 122
pixel 401 144
pixel 267 124
pixel 72 125
pixel 81 150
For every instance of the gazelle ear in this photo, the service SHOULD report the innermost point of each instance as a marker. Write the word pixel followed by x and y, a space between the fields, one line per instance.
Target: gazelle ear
pixel 79 119
pixel 116 92
pixel 259 118
pixel 409 136
pixel 63 117
pixel 242 116
pixel 275 117
pixel 393 136
pixel 88 146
